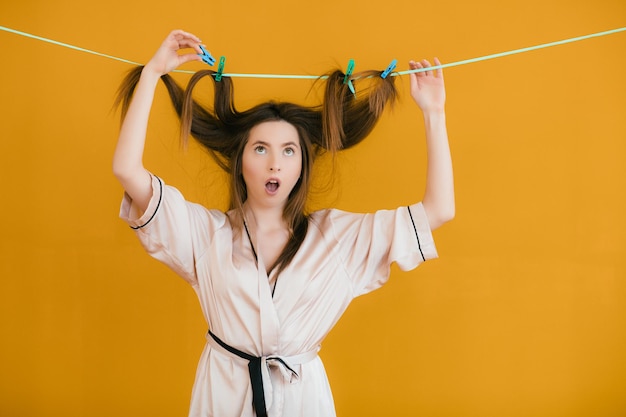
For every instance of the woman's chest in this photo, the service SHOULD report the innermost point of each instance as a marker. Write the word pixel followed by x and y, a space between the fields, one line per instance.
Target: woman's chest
pixel 315 277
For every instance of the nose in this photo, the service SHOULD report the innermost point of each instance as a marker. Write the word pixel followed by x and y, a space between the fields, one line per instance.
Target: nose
pixel 274 164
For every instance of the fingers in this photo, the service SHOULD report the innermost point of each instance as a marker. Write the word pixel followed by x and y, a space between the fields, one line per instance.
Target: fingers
pixel 181 34
pixel 167 57
pixel 181 40
pixel 416 65
pixel 188 43
pixel 420 65
pixel 424 64
pixel 188 58
pixel 438 71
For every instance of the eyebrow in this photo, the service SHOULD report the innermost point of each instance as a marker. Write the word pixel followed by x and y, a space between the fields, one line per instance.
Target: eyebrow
pixel 262 142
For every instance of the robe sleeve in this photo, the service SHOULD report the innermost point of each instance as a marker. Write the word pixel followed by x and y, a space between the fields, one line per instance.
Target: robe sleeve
pixel 173 230
pixel 369 243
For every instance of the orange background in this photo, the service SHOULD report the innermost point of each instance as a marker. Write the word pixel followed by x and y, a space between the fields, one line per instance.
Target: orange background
pixel 524 314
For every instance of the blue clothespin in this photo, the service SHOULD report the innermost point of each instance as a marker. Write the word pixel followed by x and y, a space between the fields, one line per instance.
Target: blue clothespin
pixel 346 78
pixel 206 56
pixel 390 68
pixel 220 69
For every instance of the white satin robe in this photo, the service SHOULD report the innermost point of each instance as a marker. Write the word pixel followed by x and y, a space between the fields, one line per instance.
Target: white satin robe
pixel 343 256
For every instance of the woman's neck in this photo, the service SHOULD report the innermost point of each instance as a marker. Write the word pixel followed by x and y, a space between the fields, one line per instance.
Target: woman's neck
pixel 264 219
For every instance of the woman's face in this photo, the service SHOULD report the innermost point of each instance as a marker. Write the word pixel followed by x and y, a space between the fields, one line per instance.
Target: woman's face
pixel 271 163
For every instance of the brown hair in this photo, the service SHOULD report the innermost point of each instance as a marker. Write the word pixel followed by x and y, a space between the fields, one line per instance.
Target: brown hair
pixel 340 122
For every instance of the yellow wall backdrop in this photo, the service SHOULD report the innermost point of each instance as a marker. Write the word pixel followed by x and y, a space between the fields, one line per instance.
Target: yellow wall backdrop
pixel 524 314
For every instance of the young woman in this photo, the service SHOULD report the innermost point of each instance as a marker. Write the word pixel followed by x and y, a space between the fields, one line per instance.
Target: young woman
pixel 271 279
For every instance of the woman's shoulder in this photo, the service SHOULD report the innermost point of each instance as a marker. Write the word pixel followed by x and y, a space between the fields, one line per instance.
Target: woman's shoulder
pixel 174 197
pixel 332 217
pixel 333 213
pixel 341 219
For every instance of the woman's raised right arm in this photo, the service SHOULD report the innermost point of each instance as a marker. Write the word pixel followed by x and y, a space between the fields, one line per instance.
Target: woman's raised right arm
pixel 128 158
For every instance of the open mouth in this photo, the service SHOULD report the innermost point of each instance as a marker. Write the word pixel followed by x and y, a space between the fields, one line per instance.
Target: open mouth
pixel 272 186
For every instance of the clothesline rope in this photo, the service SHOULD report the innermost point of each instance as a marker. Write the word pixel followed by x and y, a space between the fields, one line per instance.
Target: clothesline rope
pixel 315 77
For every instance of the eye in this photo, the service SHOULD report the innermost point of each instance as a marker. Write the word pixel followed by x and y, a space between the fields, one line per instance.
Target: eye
pixel 289 151
pixel 260 149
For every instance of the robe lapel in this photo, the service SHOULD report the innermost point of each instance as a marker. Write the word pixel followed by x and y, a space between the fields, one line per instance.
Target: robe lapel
pixel 269 323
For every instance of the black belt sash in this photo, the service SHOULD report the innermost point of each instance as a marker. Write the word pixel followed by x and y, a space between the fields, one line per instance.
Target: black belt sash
pixel 256 376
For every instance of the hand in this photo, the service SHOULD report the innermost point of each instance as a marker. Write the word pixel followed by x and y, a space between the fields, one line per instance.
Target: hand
pixel 427 88
pixel 167 58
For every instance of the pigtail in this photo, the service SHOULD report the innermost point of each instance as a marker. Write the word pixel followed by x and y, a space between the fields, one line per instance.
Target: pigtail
pixel 224 102
pixel 336 97
pixel 175 92
pixel 126 89
pixel 361 116
pixel 214 129
pixel 195 119
pixel 197 123
pixel 347 119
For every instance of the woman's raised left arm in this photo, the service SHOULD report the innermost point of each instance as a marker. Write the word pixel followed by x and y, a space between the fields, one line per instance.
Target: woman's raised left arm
pixel 428 91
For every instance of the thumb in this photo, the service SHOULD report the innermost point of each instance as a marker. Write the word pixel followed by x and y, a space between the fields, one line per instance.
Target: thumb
pixel 188 58
pixel 413 76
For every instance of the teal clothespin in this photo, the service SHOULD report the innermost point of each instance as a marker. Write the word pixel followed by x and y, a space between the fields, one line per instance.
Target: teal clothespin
pixel 206 56
pixel 390 68
pixel 346 78
pixel 220 69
